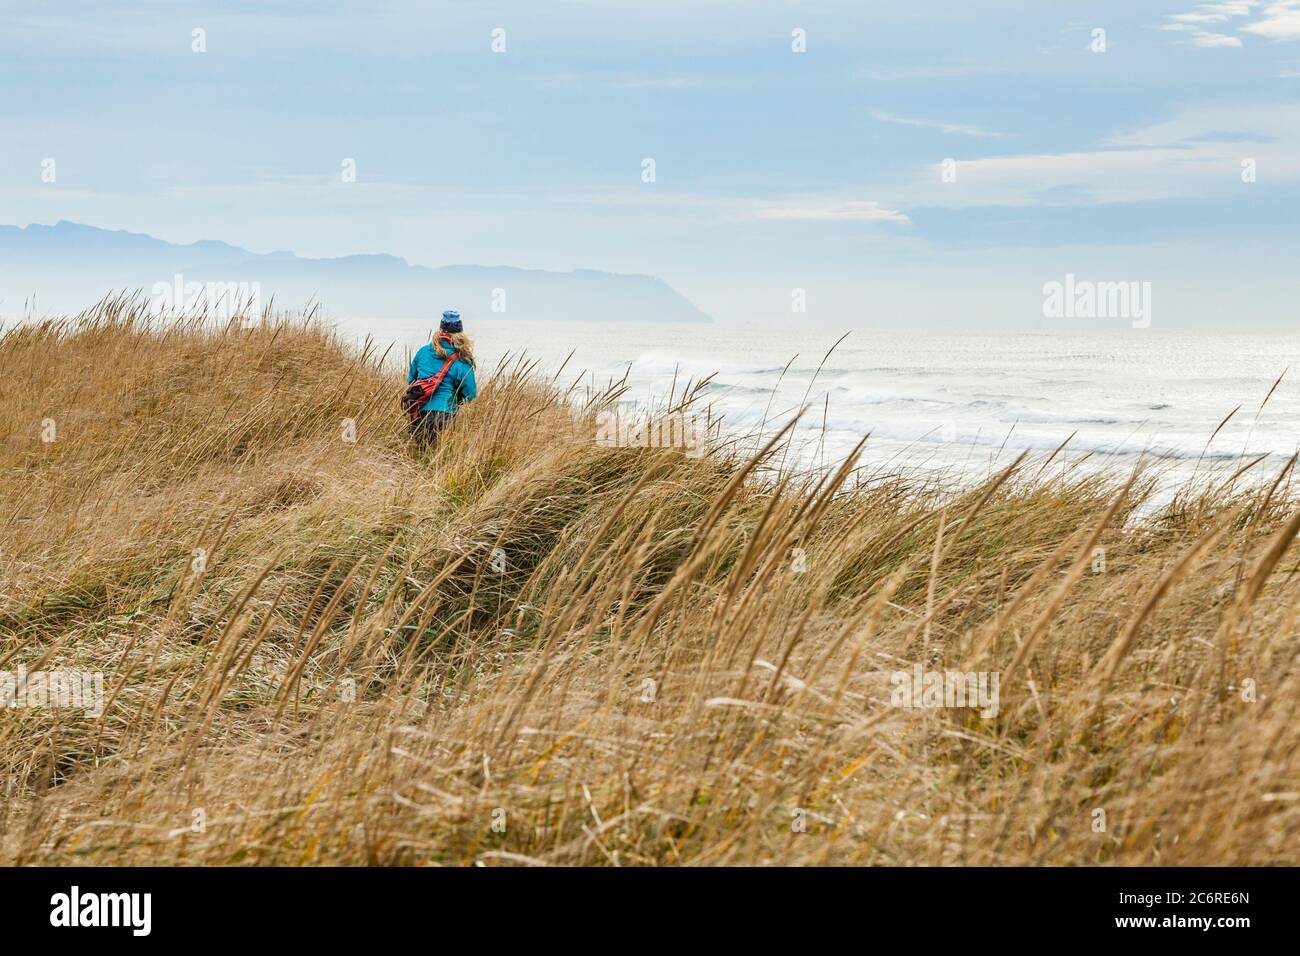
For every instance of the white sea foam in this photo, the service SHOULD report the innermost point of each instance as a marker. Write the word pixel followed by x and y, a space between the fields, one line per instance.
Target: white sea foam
pixel 952 400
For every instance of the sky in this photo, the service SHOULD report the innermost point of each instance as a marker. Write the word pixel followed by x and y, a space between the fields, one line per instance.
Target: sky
pixel 923 165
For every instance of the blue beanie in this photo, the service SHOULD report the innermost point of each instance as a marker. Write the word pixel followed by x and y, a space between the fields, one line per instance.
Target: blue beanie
pixel 451 322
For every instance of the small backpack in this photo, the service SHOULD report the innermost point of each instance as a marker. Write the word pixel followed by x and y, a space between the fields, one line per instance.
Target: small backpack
pixel 421 390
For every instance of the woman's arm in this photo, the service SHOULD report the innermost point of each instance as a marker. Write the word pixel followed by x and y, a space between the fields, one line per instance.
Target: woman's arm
pixel 468 388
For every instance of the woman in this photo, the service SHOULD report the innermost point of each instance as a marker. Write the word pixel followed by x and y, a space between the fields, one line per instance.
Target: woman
pixel 452 348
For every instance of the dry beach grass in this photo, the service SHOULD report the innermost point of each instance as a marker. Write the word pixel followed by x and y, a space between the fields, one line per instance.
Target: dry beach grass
pixel 314 652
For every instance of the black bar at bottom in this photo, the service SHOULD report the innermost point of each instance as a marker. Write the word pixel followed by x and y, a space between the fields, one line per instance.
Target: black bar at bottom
pixel 679 907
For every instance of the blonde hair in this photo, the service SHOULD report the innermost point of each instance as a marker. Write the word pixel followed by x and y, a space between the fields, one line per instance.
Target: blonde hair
pixel 464 347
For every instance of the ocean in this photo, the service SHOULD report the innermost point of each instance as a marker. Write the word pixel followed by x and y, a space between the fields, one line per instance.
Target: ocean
pixel 952 404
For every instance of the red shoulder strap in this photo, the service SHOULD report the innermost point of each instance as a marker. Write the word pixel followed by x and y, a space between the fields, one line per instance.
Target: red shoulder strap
pixel 427 386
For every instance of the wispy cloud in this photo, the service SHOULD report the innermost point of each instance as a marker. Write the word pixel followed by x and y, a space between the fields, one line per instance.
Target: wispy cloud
pixel 1194 156
pixel 822 210
pixel 1204 24
pixel 1217 12
pixel 958 129
pixel 583 82
pixel 1196 25
pixel 1279 21
pixel 1200 37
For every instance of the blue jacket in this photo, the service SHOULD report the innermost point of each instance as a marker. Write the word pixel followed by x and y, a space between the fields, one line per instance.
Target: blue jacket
pixel 456 387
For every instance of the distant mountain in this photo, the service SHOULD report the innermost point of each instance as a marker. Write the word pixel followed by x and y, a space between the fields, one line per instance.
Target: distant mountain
pixel 69 266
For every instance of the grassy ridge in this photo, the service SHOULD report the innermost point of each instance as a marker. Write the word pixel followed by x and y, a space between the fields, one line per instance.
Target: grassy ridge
pixel 527 648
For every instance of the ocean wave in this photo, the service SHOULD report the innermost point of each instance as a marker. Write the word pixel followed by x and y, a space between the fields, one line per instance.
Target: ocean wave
pixel 963 400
